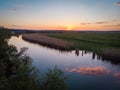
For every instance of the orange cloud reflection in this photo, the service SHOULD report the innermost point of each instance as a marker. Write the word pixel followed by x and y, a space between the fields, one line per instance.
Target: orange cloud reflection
pixel 99 70
pixel 117 75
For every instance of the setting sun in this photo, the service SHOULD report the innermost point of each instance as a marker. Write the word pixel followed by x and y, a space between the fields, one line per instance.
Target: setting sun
pixel 69 27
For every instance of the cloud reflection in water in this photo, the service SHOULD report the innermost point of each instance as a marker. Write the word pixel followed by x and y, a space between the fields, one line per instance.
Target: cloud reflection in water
pixel 98 70
pixel 117 75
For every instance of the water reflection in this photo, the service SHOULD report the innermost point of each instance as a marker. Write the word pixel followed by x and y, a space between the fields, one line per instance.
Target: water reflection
pixel 117 74
pixel 90 67
pixel 83 52
pixel 115 60
pixel 112 59
pixel 94 54
pixel 105 55
pixel 77 52
pixel 98 70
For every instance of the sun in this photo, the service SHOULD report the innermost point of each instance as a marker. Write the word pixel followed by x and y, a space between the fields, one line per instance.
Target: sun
pixel 69 27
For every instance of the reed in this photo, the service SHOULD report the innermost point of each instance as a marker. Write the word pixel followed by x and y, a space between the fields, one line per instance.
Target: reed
pixel 48 41
pixel 111 55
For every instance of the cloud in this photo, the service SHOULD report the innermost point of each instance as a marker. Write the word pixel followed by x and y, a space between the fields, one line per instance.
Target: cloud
pixel 117 75
pixel 117 25
pixel 117 3
pixel 100 22
pixel 15 25
pixel 94 23
pixel 99 70
pixel 85 23
pixel 114 20
pixel 18 26
pixel 14 10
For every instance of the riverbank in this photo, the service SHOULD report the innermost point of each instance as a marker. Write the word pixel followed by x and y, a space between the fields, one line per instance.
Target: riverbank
pixel 102 44
pixel 105 44
pixel 90 39
pixel 48 41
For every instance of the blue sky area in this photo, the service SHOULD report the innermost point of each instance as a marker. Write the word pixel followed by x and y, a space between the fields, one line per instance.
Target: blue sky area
pixel 61 14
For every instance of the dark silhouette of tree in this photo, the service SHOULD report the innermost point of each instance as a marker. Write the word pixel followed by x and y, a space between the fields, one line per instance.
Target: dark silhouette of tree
pixel 17 72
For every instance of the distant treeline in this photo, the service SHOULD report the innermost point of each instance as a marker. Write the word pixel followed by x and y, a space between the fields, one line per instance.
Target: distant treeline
pixel 60 31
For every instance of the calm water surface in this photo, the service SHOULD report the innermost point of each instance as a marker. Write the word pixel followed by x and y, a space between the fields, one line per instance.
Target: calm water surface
pixel 86 70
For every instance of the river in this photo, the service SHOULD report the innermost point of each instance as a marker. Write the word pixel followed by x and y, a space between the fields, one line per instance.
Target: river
pixel 85 70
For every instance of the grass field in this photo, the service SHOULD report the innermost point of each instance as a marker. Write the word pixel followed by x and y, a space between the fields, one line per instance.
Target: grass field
pixel 105 44
pixel 90 40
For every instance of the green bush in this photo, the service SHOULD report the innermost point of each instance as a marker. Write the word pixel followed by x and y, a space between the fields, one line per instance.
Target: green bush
pixel 17 72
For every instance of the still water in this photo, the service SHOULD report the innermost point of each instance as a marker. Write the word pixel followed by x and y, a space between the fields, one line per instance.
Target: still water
pixel 86 70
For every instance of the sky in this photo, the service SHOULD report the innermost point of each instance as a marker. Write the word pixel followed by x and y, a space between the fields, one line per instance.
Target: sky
pixel 60 14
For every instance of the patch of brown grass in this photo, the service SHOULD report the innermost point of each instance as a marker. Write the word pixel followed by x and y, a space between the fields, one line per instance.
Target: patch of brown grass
pixel 48 41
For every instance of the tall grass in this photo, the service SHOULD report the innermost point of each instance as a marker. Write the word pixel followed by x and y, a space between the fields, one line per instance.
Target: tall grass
pixel 48 41
pixel 90 40
pixel 106 44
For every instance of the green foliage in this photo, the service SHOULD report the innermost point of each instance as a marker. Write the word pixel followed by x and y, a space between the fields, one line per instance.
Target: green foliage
pixel 17 72
pixel 55 80
pixel 90 41
pixel 23 73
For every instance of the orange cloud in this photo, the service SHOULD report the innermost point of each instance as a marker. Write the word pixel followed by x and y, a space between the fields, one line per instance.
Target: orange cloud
pixel 117 75
pixel 117 3
pixel 85 23
pixel 99 70
pixel 93 23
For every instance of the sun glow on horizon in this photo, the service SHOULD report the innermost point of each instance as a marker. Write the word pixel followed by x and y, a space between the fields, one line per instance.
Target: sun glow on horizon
pixel 60 14
pixel 69 27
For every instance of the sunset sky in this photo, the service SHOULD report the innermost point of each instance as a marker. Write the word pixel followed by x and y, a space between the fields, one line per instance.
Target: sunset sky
pixel 60 14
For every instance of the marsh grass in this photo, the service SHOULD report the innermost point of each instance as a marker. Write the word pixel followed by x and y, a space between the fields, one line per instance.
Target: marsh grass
pixel 90 39
pixel 105 44
pixel 48 41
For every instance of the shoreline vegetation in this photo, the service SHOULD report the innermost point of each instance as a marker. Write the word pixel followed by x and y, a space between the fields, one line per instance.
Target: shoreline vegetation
pixel 18 73
pixel 48 41
pixel 106 45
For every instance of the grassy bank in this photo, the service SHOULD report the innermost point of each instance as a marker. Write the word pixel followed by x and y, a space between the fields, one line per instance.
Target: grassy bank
pixel 106 44
pixel 48 41
pixel 90 40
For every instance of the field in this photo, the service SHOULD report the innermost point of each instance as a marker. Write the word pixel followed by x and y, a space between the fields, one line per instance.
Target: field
pixel 91 40
pixel 105 44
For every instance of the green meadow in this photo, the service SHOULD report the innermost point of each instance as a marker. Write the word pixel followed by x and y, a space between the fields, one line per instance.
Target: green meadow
pixel 105 44
pixel 90 40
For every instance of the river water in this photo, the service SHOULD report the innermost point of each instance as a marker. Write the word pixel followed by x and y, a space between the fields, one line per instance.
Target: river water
pixel 85 70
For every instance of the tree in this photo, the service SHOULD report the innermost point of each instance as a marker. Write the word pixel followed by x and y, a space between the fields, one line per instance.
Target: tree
pixel 17 72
